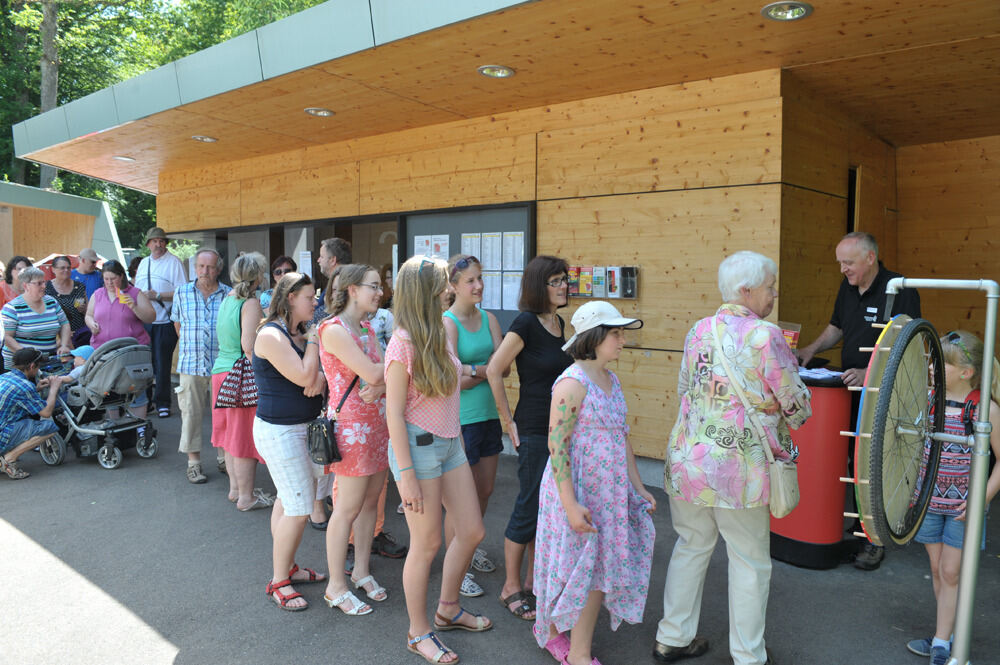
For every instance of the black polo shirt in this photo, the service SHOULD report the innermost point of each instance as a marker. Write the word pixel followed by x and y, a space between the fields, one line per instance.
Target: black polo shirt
pixel 854 313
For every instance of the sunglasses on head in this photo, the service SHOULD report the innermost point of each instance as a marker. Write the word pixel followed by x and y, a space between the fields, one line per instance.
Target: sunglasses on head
pixel 462 264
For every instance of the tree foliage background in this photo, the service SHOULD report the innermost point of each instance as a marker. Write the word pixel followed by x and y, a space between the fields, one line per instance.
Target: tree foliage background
pixel 100 44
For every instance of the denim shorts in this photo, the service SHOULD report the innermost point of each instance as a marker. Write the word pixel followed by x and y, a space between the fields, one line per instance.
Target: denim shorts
pixel 433 460
pixel 482 439
pixel 532 456
pixel 945 529
pixel 27 428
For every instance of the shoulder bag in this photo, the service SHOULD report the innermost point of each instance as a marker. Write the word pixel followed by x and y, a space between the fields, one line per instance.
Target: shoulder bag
pixel 322 434
pixel 239 388
pixel 783 475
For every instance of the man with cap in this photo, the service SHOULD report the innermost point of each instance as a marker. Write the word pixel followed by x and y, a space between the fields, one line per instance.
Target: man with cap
pixel 87 271
pixel 158 276
pixel 20 405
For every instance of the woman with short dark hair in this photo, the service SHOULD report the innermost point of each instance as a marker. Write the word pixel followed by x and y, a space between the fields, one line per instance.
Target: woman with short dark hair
pixel 71 296
pixel 11 288
pixel 280 266
pixel 535 341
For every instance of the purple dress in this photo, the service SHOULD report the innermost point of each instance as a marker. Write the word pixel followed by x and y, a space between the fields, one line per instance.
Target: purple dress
pixel 115 319
pixel 617 559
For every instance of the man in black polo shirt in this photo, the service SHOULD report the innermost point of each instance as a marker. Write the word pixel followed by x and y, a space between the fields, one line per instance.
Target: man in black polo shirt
pixel 860 302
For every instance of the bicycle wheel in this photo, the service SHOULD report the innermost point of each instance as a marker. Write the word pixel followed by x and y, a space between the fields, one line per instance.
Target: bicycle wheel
pixel 904 456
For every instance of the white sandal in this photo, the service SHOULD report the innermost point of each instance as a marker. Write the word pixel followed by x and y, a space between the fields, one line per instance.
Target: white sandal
pixel 378 590
pixel 357 607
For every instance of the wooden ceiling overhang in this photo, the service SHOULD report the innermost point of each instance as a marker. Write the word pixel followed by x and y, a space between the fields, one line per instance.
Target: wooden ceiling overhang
pixel 912 71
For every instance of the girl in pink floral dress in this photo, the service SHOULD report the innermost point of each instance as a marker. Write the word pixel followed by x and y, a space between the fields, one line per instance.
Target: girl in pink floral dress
pixel 349 350
pixel 594 542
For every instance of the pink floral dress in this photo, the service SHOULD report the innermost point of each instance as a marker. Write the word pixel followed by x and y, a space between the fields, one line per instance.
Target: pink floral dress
pixel 362 435
pixel 617 559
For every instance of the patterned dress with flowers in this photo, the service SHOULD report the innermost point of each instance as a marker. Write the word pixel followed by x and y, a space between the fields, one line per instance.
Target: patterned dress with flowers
pixel 713 457
pixel 362 435
pixel 617 559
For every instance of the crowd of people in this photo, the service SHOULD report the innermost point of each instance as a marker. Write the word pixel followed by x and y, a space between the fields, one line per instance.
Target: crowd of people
pixel 413 374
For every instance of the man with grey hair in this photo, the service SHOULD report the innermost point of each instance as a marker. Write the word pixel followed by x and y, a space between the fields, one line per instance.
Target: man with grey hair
pixel 158 276
pixel 87 272
pixel 860 302
pixel 195 314
pixel 333 252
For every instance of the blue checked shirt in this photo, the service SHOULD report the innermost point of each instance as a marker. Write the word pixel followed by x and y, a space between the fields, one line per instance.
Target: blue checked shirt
pixel 19 399
pixel 198 344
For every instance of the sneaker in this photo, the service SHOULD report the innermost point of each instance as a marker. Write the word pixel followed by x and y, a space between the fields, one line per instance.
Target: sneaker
pixel 469 587
pixel 222 467
pixel 921 647
pixel 385 545
pixel 940 655
pixel 870 558
pixel 195 475
pixel 481 563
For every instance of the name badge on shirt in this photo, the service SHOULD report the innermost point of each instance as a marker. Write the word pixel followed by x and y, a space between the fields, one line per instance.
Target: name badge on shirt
pixel 872 310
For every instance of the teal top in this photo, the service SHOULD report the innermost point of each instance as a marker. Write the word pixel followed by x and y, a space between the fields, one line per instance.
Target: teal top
pixel 228 332
pixel 475 348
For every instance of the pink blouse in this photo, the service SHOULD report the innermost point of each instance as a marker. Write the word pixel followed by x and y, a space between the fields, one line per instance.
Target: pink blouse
pixel 437 415
pixel 115 319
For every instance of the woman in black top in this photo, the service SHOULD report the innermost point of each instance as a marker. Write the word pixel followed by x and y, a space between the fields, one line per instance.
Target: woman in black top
pixel 71 296
pixel 534 340
pixel 289 396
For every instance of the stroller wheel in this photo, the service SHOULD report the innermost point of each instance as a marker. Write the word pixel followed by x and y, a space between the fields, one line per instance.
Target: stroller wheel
pixel 53 450
pixel 146 448
pixel 110 457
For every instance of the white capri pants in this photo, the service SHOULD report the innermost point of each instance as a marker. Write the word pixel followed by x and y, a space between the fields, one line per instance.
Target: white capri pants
pixel 284 449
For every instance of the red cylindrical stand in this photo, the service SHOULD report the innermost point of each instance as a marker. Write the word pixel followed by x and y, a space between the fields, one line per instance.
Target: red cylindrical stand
pixel 810 536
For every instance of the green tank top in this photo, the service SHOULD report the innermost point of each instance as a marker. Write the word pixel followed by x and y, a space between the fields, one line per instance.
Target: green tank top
pixel 475 348
pixel 228 330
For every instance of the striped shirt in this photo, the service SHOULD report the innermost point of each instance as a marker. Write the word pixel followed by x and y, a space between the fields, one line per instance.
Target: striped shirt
pixel 198 344
pixel 19 399
pixel 29 328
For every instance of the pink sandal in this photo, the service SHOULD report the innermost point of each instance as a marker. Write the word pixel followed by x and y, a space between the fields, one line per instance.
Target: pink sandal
pixel 558 647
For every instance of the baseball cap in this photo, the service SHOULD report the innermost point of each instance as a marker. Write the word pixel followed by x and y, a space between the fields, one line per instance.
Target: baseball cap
pixel 27 355
pixel 88 254
pixel 84 351
pixel 599 313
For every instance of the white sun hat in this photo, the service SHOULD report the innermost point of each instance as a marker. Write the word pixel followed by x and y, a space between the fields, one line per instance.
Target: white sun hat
pixel 599 313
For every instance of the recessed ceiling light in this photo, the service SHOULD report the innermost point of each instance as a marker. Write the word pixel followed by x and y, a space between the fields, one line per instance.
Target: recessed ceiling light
pixel 123 158
pixel 319 112
pixel 204 139
pixel 496 71
pixel 786 11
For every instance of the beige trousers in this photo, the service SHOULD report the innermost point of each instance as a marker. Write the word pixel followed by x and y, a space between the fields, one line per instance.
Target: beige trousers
pixel 193 397
pixel 748 545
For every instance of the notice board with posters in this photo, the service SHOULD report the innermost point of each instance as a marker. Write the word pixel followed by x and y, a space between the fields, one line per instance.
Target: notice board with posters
pixel 502 238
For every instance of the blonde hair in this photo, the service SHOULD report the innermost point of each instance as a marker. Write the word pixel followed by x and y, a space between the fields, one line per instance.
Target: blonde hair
pixel 417 310
pixel 353 274
pixel 247 272
pixel 279 309
pixel 967 351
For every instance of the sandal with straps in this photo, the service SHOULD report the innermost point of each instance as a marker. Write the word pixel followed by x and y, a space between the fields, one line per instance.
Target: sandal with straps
pixel 524 605
pixel 411 646
pixel 313 575
pixel 444 623
pixel 357 607
pixel 13 471
pixel 281 599
pixel 378 592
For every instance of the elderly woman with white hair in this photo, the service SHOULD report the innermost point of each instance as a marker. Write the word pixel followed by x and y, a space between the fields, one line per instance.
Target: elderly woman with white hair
pixel 716 470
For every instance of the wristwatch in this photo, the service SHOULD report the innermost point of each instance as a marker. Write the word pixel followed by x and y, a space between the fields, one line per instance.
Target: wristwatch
pixel 473 369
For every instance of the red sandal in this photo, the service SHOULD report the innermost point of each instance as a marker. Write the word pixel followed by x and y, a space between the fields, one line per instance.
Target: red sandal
pixel 281 599
pixel 313 575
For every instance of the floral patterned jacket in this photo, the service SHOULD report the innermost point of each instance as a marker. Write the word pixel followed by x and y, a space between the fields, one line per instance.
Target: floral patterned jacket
pixel 714 458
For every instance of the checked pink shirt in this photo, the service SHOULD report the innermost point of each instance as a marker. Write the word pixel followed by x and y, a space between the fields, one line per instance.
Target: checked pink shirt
pixel 437 415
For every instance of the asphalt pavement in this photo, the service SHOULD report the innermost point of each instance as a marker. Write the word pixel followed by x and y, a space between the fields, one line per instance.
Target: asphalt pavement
pixel 136 565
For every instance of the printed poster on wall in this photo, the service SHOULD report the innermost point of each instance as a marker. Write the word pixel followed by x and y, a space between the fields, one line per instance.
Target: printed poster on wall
pixel 423 245
pixel 614 281
pixel 511 290
pixel 440 246
pixel 585 288
pixel 472 244
pixel 598 283
pixel 492 286
pixel 513 250
pixel 492 255
pixel 306 263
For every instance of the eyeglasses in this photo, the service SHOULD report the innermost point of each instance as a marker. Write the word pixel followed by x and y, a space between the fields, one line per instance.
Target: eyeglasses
pixel 956 339
pixel 42 284
pixel 558 281
pixel 281 271
pixel 375 287
pixel 60 267
pixel 463 263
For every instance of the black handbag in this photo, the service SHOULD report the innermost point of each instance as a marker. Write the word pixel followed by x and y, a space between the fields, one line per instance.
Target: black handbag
pixel 321 435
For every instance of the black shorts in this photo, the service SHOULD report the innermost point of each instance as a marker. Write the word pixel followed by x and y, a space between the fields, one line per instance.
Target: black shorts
pixel 482 439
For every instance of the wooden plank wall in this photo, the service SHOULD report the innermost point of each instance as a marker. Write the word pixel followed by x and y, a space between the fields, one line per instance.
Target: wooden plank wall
pixel 819 145
pixel 949 224
pixel 670 179
pixel 38 232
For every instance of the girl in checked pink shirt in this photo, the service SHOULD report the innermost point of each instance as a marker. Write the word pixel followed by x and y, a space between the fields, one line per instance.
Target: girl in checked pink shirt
pixel 427 457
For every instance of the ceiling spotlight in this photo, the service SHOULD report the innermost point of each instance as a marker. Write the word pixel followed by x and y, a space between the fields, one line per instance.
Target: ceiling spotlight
pixel 123 158
pixel 496 71
pixel 319 112
pixel 204 139
pixel 786 11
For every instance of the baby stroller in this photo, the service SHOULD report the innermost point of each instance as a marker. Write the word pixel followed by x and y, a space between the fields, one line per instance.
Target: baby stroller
pixel 112 377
